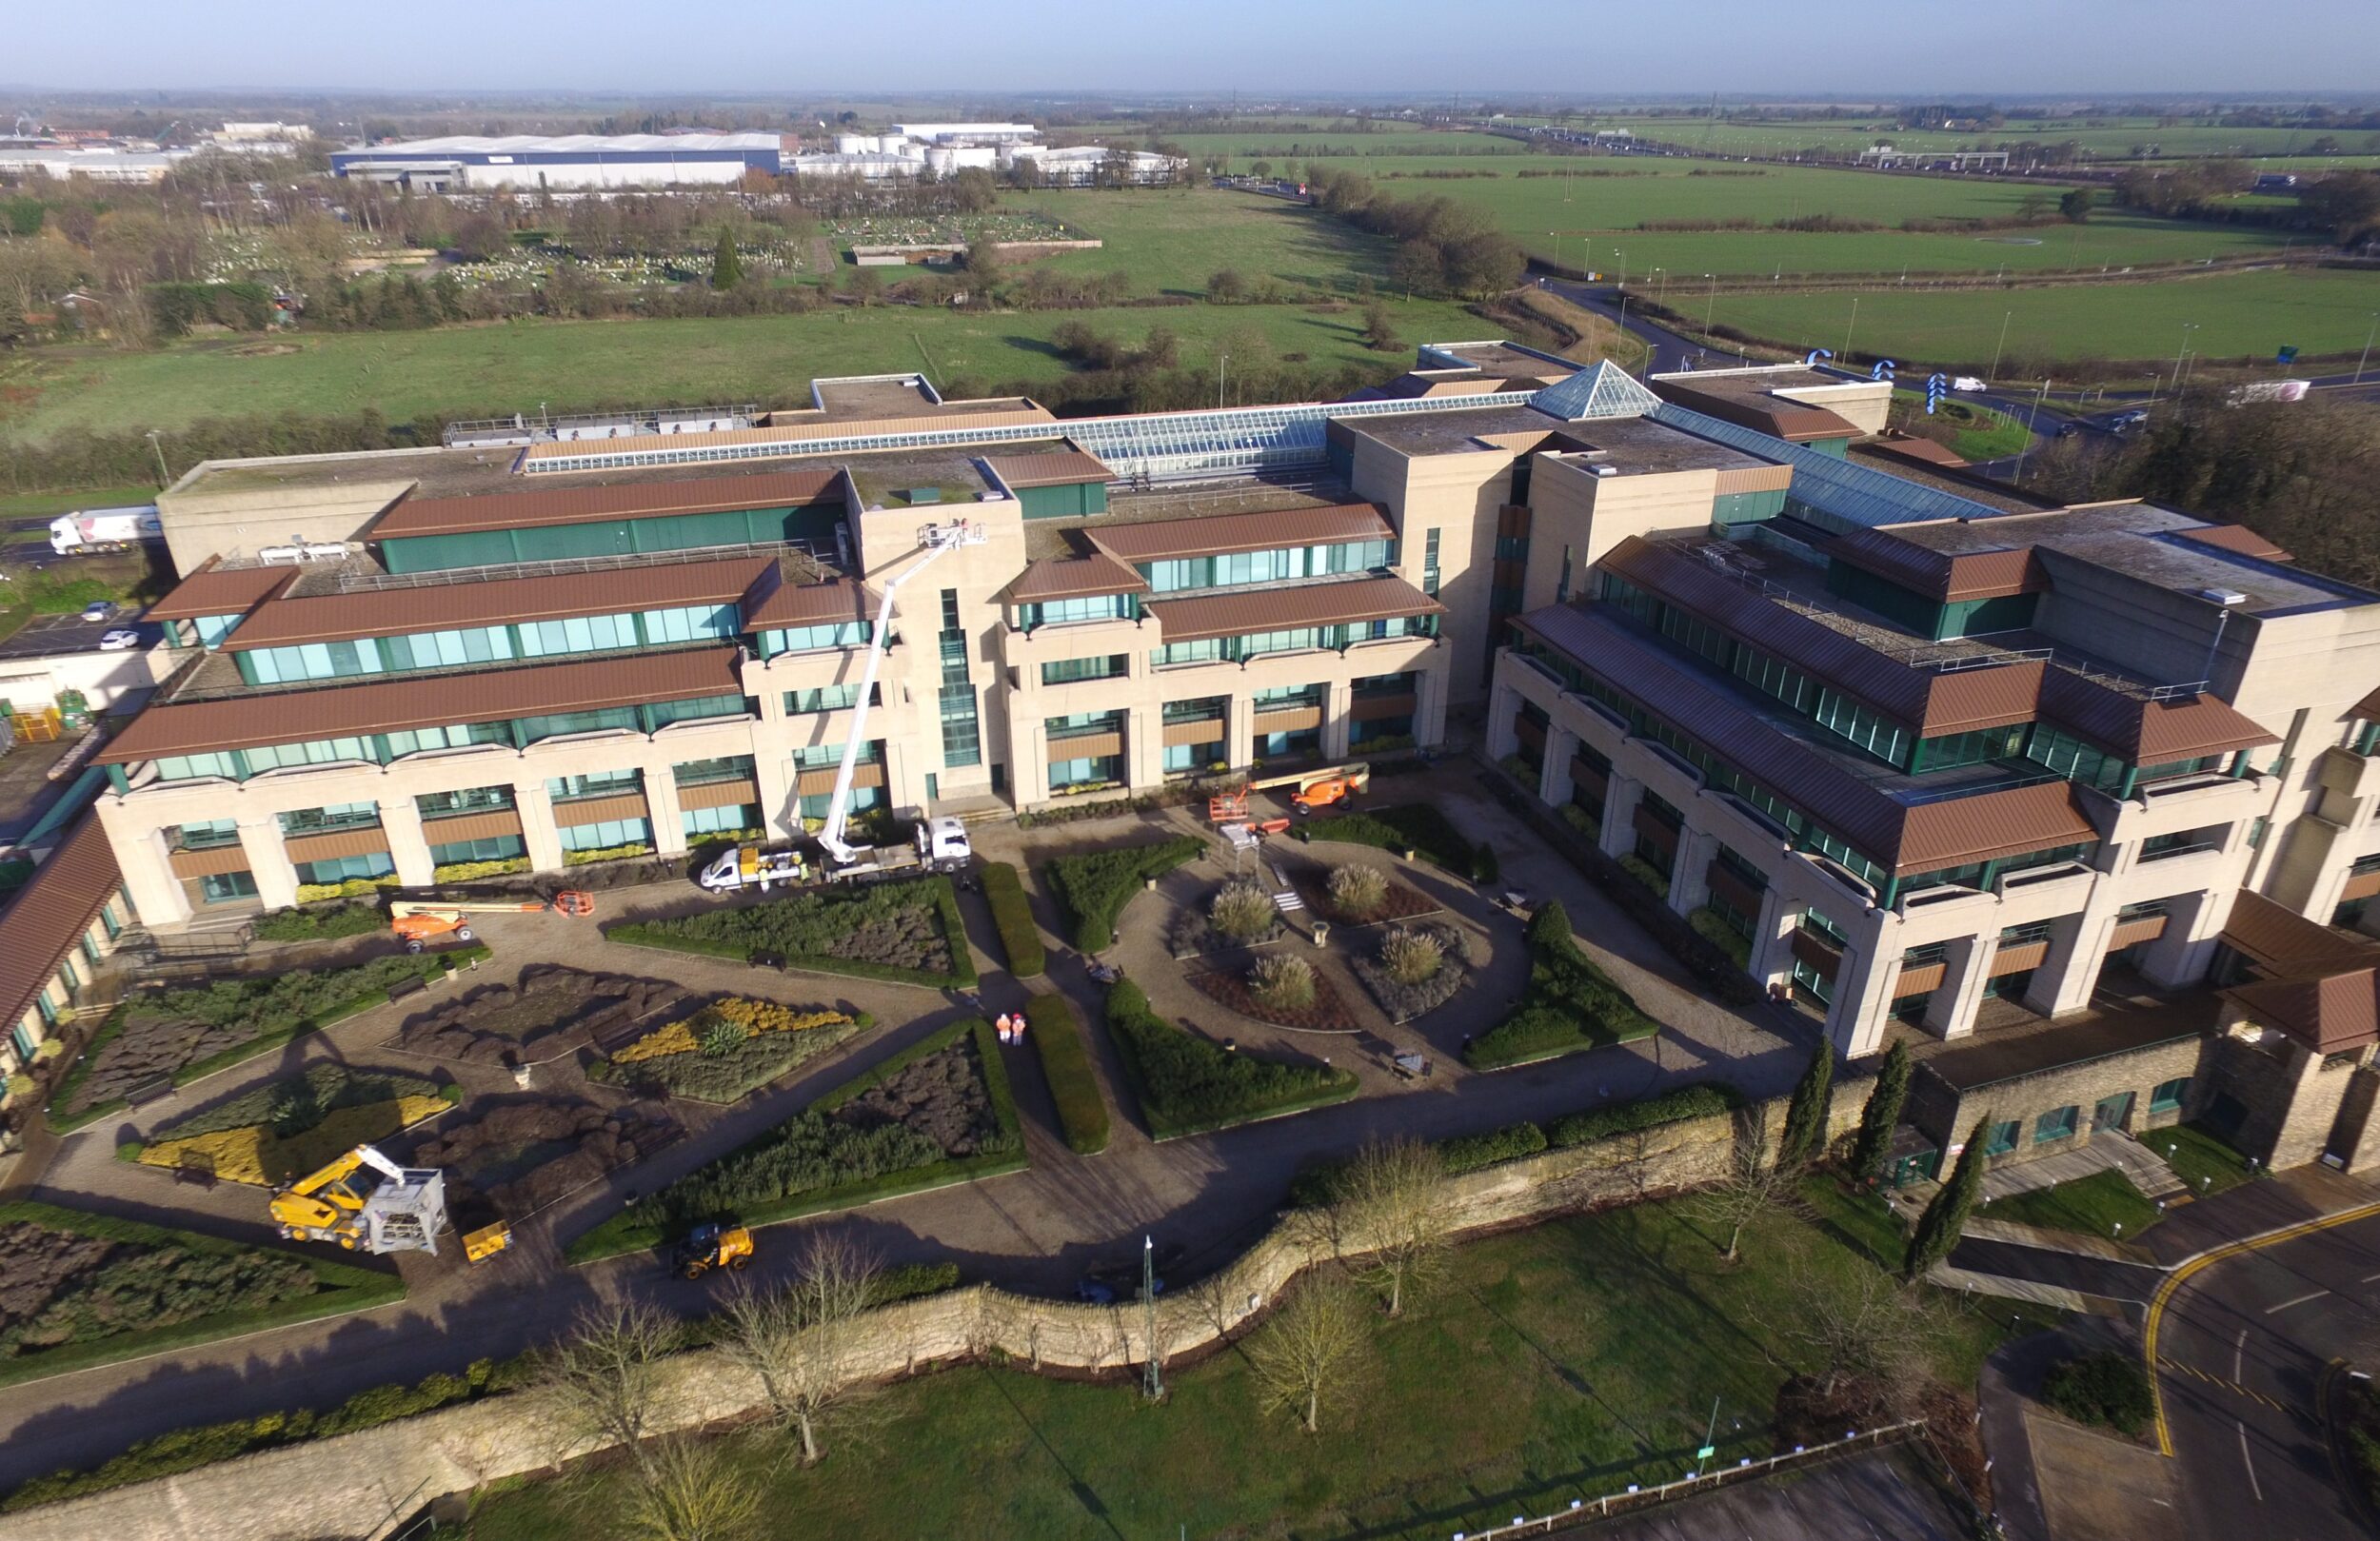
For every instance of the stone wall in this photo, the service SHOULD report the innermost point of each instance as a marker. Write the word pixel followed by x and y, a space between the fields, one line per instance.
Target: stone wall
pixel 360 1485
pixel 1945 1114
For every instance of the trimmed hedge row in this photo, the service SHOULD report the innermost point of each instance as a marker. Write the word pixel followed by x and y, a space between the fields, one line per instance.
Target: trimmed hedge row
pixel 344 1287
pixel 1012 916
pixel 1570 1003
pixel 1058 1038
pixel 1419 827
pixel 1189 1086
pixel 646 1225
pixel 426 967
pixel 798 927
pixel 325 921
pixel 1318 1184
pixel 1095 886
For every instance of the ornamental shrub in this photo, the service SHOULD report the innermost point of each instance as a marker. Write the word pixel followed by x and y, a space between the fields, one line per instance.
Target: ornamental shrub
pixel 1095 886
pixel 1241 909
pixel 1012 916
pixel 1412 957
pixel 1357 890
pixel 1282 981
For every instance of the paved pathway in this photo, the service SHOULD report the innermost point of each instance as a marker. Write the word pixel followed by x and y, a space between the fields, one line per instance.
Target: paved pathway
pixel 2109 1152
pixel 1204 1198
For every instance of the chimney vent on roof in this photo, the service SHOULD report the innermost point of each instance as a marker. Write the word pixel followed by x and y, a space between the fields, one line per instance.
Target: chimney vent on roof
pixel 2223 595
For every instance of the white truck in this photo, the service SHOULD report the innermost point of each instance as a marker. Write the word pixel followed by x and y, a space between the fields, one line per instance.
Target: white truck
pixel 2269 390
pixel 942 845
pixel 90 531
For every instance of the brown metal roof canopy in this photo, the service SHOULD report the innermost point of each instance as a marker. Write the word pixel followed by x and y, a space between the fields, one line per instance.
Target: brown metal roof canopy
pixel 2236 538
pixel 1970 575
pixel 392 705
pixel 214 589
pixel 2329 1016
pixel 2279 940
pixel 1058 469
pixel 397 612
pixel 2150 732
pixel 1166 539
pixel 53 909
pixel 813 605
pixel 1072 578
pixel 1237 613
pixel 412 516
pixel 1793 422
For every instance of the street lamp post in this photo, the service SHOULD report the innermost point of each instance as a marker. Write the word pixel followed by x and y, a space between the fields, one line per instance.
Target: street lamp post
pixel 2188 327
pixel 1709 301
pixel 1853 324
pixel 1660 287
pixel 2366 353
pixel 1221 359
pixel 2030 418
pixel 165 478
pixel 1999 347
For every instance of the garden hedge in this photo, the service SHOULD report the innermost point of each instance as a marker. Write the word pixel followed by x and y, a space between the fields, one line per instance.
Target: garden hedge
pixel 1189 1086
pixel 1570 1003
pixel 373 981
pixel 1415 826
pixel 650 1223
pixel 342 1287
pixel 1012 916
pixel 1095 886
pixel 315 923
pixel 1058 1038
pixel 800 926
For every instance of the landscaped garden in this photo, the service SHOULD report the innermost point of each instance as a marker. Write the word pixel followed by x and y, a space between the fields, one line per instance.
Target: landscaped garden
pixel 937 1113
pixel 532 1021
pixel 1280 988
pixel 1189 1086
pixel 289 1126
pixel 1239 914
pixel 513 1156
pixel 1095 886
pixel 1570 1005
pixel 172 1038
pixel 1418 827
pixel 2095 1205
pixel 1356 895
pixel 1074 1086
pixel 2203 1160
pixel 907 933
pixel 1412 969
pixel 1012 916
pixel 727 1048
pixel 78 1290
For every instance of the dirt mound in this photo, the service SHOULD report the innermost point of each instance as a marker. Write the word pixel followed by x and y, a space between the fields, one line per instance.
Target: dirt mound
pixel 512 1023
pixel 940 1096
pixel 522 1155
pixel 36 1264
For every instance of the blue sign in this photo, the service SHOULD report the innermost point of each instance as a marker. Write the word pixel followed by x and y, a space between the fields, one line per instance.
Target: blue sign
pixel 1883 369
pixel 1818 353
pixel 2288 355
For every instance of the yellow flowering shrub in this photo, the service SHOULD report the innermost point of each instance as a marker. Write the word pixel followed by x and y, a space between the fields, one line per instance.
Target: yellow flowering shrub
pixel 678 1038
pixel 252 1155
pixel 768 1017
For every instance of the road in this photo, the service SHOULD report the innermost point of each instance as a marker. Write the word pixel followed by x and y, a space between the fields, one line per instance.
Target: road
pixel 2243 1345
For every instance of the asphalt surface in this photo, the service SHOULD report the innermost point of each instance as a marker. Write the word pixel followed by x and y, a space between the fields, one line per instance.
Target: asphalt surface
pixel 2243 1346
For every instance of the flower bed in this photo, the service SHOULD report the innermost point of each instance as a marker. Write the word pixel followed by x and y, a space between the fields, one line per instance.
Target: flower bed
pixel 513 1157
pixel 1570 1005
pixel 1325 1011
pixel 532 1021
pixel 263 1156
pixel 1189 1086
pixel 79 1290
pixel 1400 901
pixel 1237 914
pixel 936 1114
pixel 905 932
pixel 1418 827
pixel 185 1034
pixel 726 1049
pixel 1074 1085
pixel 1095 886
pixel 1406 999
pixel 1012 916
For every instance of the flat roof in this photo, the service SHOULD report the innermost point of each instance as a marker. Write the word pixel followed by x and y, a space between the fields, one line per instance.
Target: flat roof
pixel 1283 606
pixel 1438 433
pixel 396 704
pixel 214 589
pixel 696 144
pixel 414 516
pixel 1214 534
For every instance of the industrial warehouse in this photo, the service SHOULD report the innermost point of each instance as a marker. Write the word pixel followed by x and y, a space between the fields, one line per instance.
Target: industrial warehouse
pixel 1939 761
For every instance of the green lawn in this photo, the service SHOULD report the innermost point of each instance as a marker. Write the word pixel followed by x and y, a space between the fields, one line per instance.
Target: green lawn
pixel 1978 432
pixel 501 368
pixel 49 505
pixel 2094 1205
pixel 2199 1158
pixel 1560 1362
pixel 1170 241
pixel 2107 140
pixel 2238 315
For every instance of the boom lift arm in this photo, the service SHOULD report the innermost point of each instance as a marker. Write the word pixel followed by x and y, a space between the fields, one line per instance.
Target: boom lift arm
pixel 933 539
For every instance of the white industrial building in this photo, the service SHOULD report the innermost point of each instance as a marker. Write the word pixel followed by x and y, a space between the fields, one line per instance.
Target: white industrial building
pixel 101 163
pixel 910 148
pixel 586 161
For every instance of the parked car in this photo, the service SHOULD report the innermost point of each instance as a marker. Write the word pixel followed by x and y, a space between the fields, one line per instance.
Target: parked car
pixel 118 639
pixel 99 610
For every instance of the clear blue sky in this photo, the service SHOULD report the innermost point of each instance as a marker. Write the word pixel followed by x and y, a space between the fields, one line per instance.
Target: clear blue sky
pixel 1256 46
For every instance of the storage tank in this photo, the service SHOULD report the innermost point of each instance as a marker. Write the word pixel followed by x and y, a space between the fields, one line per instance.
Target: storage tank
pixel 940 158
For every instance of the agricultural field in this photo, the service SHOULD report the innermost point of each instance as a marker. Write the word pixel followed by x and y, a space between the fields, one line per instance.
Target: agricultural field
pixel 1169 242
pixel 1560 1362
pixel 2105 139
pixel 2238 316
pixel 499 370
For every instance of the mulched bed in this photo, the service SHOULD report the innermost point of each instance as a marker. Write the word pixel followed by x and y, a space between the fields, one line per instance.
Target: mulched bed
pixel 58 1289
pixel 1402 902
pixel 36 1264
pixel 1403 1002
pixel 510 1023
pixel 153 1047
pixel 1328 1013
pixel 940 1095
pixel 1194 935
pixel 518 1156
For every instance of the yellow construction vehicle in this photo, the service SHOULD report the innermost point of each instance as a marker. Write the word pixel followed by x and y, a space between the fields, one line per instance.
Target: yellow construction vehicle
pixel 418 921
pixel 486 1242
pixel 714 1246
pixel 363 1201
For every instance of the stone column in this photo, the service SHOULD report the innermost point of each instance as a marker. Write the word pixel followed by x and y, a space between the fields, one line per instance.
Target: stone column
pixel 1689 877
pixel 1031 765
pixel 1338 697
pixel 2068 974
pixel 663 811
pixel 781 810
pixel 1239 732
pixel 401 820
pixel 1429 700
pixel 1620 812
pixel 1553 785
pixel 1967 967
pixel 1503 711
pixel 1863 1001
pixel 1772 939
pixel 1145 747
pixel 2194 927
pixel 269 863
pixel 541 837
pixel 158 901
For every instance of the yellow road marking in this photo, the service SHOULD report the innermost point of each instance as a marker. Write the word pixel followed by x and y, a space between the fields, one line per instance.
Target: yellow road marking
pixel 2175 1281
pixel 2231 1386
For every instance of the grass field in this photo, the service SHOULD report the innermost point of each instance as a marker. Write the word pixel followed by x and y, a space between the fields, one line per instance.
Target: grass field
pixel 2106 140
pixel 1564 1361
pixel 511 367
pixel 2238 315
pixel 1169 242
pixel 2093 1206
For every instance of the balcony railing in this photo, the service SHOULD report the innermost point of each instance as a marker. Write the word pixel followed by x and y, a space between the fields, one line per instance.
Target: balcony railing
pixel 2169 853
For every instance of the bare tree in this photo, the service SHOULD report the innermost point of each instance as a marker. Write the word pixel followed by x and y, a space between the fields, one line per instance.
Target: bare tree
pixel 802 1342
pixel 1755 1186
pixel 601 1384
pixel 693 1490
pixel 1392 1210
pixel 1865 1331
pixel 1307 1348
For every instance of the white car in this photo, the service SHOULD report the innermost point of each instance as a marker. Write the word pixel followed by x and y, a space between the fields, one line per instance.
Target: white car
pixel 118 639
pixel 99 610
